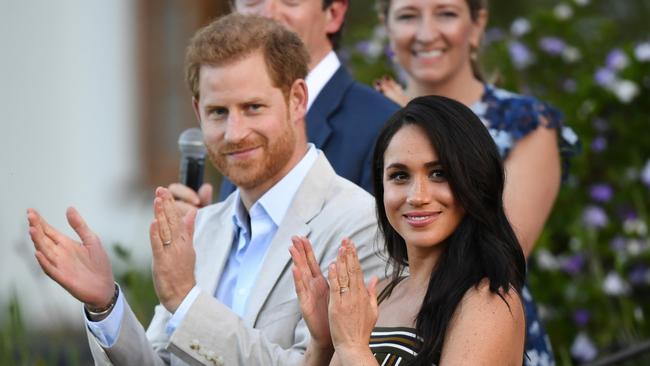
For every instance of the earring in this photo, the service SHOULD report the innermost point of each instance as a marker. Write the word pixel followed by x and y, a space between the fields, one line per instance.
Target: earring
pixel 473 53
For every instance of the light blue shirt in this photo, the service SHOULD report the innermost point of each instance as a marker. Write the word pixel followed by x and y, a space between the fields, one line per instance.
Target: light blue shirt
pixel 252 236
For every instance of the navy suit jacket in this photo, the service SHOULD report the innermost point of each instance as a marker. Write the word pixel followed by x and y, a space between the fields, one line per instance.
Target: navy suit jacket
pixel 344 122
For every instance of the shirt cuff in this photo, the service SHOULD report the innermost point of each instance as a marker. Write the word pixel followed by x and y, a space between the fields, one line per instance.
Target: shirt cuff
pixel 183 308
pixel 108 329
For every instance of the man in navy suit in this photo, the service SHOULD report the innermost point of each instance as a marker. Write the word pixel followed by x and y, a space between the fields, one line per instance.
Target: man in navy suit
pixel 344 116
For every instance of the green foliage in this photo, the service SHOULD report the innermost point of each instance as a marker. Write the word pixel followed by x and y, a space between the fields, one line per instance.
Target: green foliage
pixel 22 346
pixel 137 285
pixel 590 273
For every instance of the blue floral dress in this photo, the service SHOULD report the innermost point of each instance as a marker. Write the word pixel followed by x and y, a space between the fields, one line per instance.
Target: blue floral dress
pixel 509 117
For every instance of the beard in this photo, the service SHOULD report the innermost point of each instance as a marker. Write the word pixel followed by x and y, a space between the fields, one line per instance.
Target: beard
pixel 257 170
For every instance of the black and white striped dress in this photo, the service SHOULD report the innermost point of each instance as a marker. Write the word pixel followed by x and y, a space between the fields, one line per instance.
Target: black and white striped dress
pixel 394 346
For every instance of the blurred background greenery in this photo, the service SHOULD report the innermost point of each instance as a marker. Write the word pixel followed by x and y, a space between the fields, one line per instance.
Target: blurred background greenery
pixel 590 272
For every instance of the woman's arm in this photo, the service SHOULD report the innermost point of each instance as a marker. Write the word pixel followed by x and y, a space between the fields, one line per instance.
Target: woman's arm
pixel 532 183
pixel 485 330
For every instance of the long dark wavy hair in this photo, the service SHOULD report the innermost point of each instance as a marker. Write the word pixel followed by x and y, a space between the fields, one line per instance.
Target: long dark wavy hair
pixel 483 246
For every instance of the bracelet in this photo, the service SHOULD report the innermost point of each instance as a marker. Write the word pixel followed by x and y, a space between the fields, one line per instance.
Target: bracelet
pixel 98 312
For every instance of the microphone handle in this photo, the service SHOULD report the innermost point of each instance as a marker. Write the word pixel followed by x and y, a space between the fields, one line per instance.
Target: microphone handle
pixel 192 172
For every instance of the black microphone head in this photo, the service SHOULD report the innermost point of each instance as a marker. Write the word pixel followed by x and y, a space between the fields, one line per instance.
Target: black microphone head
pixel 190 143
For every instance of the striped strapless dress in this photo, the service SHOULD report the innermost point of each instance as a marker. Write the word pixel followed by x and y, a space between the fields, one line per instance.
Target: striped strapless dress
pixel 394 346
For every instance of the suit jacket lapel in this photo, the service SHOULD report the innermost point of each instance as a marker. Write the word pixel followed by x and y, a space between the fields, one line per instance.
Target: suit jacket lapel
pixel 327 102
pixel 307 203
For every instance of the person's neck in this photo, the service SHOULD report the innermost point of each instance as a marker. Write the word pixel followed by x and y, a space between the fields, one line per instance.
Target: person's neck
pixel 465 88
pixel 251 195
pixel 421 264
pixel 317 56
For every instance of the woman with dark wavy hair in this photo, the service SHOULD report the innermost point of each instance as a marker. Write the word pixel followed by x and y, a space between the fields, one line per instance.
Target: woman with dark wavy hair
pixel 453 297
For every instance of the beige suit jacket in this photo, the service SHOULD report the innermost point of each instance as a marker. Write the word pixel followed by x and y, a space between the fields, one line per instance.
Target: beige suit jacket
pixel 326 209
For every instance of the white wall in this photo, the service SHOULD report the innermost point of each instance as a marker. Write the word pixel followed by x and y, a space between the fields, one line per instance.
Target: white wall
pixel 67 136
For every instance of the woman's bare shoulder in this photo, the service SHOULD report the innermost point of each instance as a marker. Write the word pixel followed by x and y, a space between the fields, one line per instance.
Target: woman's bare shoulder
pixel 487 327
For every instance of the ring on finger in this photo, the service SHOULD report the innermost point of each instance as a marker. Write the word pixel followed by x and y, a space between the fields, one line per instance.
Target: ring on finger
pixel 344 289
pixel 167 242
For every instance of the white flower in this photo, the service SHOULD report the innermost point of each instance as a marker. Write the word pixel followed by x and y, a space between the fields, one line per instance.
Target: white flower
pixel 645 174
pixel 635 227
pixel 582 2
pixel 638 314
pixel 642 52
pixel 379 32
pixel 625 90
pixel 519 27
pixel 614 285
pixel 631 174
pixel 375 48
pixel 571 54
pixel 634 247
pixel 563 11
pixel 575 244
pixel 583 348
pixel 546 260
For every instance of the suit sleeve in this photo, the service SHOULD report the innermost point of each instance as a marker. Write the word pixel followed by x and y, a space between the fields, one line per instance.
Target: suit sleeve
pixel 366 172
pixel 211 334
pixel 133 345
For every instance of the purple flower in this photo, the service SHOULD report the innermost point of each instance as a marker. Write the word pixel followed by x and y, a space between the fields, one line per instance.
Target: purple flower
pixel 617 244
pixel 583 348
pixel 570 85
pixel 638 275
pixel 581 317
pixel 600 124
pixel 573 265
pixel 601 192
pixel 520 26
pixel 616 60
pixel 605 77
pixel 594 217
pixel 362 47
pixel 626 213
pixel 493 34
pixel 599 144
pixel 388 52
pixel 642 51
pixel 520 54
pixel 552 45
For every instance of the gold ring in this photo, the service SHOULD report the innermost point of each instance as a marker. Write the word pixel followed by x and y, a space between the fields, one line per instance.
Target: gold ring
pixel 166 243
pixel 344 289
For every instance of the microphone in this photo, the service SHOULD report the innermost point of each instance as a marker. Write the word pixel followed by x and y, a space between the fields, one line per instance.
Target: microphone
pixel 190 144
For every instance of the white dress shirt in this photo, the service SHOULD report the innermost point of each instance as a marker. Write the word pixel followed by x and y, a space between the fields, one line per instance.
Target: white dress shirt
pixel 320 75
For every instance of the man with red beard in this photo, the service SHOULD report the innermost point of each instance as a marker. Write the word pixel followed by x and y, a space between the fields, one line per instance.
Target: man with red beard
pixel 343 116
pixel 223 275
